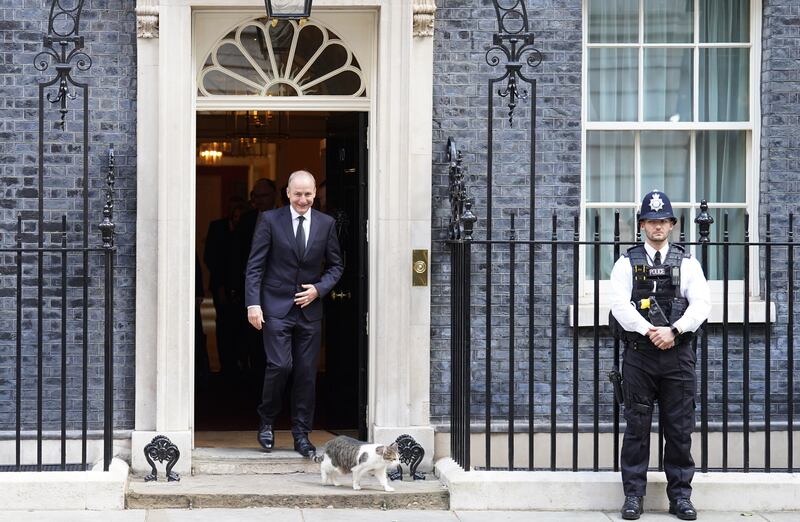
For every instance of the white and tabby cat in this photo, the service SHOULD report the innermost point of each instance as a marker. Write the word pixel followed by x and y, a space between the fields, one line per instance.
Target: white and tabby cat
pixel 344 455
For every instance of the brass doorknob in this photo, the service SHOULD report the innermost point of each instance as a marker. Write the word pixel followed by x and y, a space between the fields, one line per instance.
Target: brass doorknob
pixel 340 295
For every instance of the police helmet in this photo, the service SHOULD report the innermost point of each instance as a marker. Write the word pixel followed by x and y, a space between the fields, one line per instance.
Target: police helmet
pixel 656 205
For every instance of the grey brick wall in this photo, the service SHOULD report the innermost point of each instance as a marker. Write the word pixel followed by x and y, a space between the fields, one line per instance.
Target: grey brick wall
pixel 461 74
pixel 109 28
pixel 463 33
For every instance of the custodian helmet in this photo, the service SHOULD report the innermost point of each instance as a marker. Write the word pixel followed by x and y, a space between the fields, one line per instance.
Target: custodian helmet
pixel 656 205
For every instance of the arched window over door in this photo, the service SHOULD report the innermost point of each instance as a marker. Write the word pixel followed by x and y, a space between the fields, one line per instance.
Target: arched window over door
pixel 287 59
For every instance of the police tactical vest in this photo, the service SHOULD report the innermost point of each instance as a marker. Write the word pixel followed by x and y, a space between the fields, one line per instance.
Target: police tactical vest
pixel 654 287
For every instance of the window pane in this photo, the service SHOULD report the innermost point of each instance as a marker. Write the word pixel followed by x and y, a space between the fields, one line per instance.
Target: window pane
pixel 721 166
pixel 216 82
pixel 724 21
pixel 716 254
pixel 613 21
pixel 665 163
pixel 609 166
pixel 668 85
pixel 627 234
pixel 668 21
pixel 613 77
pixel 724 84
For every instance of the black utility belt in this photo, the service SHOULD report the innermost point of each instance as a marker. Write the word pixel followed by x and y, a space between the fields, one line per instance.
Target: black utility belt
pixel 644 345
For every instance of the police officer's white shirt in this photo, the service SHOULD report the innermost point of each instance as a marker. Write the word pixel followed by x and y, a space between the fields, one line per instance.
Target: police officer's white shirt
pixel 694 288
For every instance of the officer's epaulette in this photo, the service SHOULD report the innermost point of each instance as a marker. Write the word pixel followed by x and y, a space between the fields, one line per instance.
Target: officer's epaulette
pixel 681 248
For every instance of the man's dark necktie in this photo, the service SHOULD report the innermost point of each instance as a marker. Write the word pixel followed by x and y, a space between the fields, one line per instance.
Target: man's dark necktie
pixel 300 237
pixel 657 259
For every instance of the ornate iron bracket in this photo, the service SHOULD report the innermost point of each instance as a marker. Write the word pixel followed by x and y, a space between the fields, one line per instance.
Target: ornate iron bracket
pixel 515 42
pixel 161 449
pixel 411 454
pixel 462 220
pixel 107 226
pixel 62 31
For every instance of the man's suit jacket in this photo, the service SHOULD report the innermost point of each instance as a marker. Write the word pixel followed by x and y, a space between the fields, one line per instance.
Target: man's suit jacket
pixel 275 270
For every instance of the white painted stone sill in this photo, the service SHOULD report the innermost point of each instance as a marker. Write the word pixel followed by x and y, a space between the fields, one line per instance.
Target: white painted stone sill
pixel 758 312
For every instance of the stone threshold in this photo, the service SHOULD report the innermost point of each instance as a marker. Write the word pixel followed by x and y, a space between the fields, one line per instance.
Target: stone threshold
pixel 300 490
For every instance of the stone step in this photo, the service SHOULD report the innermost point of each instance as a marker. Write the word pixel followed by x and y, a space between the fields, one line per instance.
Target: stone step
pixel 302 490
pixel 249 461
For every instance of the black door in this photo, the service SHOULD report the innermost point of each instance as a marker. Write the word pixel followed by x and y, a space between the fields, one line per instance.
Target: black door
pixel 345 382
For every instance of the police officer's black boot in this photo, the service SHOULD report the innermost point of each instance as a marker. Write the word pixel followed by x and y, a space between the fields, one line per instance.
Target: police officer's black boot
pixel 683 509
pixel 633 508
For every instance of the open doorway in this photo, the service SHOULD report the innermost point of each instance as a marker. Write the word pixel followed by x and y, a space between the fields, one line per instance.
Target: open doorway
pixel 235 150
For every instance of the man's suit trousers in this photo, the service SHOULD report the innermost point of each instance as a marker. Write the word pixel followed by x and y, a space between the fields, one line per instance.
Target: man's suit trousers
pixel 292 346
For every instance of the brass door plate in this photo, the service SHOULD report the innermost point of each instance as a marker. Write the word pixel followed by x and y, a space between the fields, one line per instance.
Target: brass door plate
pixel 419 268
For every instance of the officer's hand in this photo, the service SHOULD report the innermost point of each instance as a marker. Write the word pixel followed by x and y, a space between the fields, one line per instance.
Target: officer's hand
pixel 662 337
pixel 255 316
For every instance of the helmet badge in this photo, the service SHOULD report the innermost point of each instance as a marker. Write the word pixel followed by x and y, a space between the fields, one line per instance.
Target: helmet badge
pixel 656 203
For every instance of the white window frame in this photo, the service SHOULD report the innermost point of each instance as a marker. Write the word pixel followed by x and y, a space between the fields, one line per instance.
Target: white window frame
pixel 753 155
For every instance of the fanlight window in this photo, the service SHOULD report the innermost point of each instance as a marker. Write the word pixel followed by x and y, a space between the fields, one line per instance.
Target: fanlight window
pixel 287 59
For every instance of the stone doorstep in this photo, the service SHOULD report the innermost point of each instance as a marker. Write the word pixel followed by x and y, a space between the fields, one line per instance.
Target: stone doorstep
pixel 301 490
pixel 249 461
pixel 602 491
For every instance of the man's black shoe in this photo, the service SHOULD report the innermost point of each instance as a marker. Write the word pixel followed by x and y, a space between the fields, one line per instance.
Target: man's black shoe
pixel 683 509
pixel 304 447
pixel 266 437
pixel 633 508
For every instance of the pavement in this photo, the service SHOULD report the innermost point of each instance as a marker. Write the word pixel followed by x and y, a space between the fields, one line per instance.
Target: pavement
pixel 366 515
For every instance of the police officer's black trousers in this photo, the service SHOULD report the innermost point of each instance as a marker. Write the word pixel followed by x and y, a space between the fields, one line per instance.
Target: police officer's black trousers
pixel 669 377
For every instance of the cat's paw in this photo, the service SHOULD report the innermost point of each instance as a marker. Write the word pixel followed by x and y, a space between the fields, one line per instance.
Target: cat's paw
pixel 388 488
pixel 356 487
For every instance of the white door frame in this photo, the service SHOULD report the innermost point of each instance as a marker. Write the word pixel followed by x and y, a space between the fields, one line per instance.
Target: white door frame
pixel 400 220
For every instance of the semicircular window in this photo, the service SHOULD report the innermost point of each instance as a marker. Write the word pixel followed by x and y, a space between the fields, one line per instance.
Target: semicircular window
pixel 287 59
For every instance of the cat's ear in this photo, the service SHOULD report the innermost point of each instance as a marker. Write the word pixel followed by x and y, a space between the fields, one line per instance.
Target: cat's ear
pixel 393 446
pixel 380 450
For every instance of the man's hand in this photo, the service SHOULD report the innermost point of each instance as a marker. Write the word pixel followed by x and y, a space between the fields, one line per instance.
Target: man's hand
pixel 662 337
pixel 306 297
pixel 255 316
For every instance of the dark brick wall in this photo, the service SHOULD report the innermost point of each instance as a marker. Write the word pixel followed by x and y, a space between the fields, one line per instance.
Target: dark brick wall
pixel 109 27
pixel 461 74
pixel 463 33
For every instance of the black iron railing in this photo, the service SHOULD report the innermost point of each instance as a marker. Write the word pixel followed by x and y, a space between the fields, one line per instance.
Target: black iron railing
pixel 63 330
pixel 57 306
pixel 525 338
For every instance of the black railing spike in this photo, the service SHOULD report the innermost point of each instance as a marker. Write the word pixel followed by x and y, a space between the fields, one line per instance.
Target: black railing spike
pixel 462 219
pixel 107 226
pixel 704 220
pixel 725 230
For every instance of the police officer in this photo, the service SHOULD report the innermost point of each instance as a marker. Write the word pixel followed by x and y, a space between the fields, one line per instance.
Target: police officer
pixel 660 297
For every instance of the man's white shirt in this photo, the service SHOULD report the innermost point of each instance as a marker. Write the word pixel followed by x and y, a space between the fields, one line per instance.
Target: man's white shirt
pixel 306 221
pixel 694 288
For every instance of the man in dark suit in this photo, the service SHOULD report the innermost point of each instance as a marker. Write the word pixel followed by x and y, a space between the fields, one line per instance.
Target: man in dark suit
pixel 224 283
pixel 294 262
